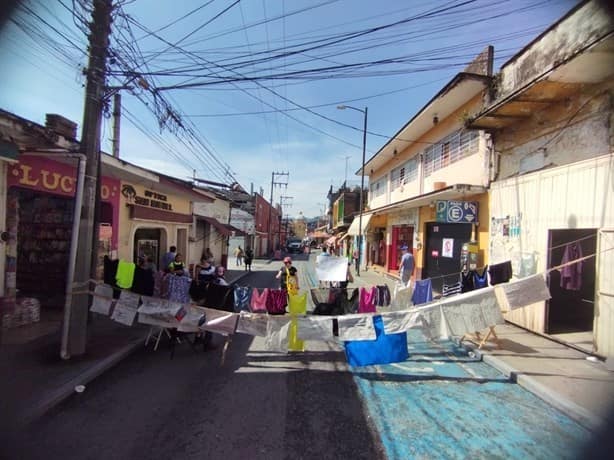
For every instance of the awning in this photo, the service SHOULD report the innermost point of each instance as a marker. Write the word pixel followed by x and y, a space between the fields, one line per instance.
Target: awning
pixel 353 230
pixel 222 229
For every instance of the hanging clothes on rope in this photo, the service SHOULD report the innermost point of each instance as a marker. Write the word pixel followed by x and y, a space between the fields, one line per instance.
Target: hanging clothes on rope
pixel 259 300
pixel 480 280
pixel 386 348
pixel 178 288
pixel 367 300
pixel 276 302
pixel 382 296
pixel 423 292
pixel 243 295
pixel 467 284
pixel 125 274
pixel 571 275
pixel 500 273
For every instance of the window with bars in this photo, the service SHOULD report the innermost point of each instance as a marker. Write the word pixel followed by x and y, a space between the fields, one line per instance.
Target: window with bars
pixel 405 173
pixel 449 150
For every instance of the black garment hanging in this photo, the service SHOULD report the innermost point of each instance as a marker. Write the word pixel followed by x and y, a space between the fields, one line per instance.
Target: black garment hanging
pixel 143 282
pixel 220 297
pixel 382 296
pixel 467 281
pixel 500 273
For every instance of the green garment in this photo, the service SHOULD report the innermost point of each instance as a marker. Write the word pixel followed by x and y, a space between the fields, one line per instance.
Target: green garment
pixel 125 274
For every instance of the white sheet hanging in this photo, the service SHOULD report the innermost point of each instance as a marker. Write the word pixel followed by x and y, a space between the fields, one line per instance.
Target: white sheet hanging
pixel 315 328
pixel 125 309
pixel 103 299
pixel 356 327
pixel 220 321
pixel 472 311
pixel 401 321
pixel 332 269
pixel 253 323
pixel 522 292
pixel 277 333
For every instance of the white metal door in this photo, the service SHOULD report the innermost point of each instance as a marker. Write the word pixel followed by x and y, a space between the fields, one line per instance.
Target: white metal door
pixel 604 294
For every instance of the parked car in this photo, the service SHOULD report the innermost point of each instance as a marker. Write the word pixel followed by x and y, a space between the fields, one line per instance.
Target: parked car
pixel 295 246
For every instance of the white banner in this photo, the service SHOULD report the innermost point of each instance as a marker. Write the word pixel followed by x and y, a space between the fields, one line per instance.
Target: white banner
pixel 103 299
pixel 332 269
pixel 125 309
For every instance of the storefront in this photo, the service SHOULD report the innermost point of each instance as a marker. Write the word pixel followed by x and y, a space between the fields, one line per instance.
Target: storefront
pixel 544 219
pixel 40 216
pixel 153 217
pixel 450 225
pixel 401 229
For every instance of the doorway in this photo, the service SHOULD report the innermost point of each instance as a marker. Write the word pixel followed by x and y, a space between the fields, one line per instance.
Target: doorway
pixel 402 235
pixel 571 310
pixel 442 256
pixel 147 244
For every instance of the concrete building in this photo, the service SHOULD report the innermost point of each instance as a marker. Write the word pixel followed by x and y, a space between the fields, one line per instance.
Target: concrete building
pixel 550 117
pixel 428 183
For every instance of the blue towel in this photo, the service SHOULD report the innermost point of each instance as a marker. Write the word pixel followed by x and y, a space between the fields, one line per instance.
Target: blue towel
pixel 386 348
pixel 423 292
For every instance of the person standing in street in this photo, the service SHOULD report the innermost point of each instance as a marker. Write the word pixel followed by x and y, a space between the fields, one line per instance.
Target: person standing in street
pixel 168 258
pixel 288 276
pixel 249 256
pixel 407 266
pixel 239 256
pixel 322 256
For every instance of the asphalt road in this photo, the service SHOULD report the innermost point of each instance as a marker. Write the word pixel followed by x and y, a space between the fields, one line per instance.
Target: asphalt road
pixel 258 405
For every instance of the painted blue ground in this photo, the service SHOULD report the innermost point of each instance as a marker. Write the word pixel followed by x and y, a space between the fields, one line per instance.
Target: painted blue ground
pixel 441 403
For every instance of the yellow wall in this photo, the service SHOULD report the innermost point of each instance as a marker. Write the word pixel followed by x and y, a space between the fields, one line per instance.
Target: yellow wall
pixel 128 226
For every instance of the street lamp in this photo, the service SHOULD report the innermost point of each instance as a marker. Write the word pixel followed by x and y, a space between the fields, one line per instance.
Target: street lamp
pixel 362 179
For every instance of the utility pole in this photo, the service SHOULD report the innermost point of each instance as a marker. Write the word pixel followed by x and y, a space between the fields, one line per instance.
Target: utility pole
pixel 282 202
pixel 74 336
pixel 273 184
pixel 117 112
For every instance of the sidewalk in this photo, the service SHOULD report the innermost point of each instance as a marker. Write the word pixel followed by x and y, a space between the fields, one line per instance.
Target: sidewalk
pixel 35 378
pixel 560 375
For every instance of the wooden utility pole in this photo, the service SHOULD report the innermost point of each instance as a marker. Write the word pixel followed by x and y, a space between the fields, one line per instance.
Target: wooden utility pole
pixel 273 184
pixel 100 29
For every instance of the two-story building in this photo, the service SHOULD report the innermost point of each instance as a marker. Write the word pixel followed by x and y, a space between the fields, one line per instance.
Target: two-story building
pixel 551 121
pixel 428 183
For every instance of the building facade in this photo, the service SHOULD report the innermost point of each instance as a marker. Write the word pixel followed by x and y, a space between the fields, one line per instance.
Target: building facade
pixel 428 184
pixel 551 120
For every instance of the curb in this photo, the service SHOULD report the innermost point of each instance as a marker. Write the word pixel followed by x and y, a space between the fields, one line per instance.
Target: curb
pixel 68 389
pixel 578 413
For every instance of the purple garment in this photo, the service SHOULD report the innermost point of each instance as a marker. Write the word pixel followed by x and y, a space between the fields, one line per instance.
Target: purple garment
pixel 571 275
pixel 178 288
pixel 367 300
pixel 276 301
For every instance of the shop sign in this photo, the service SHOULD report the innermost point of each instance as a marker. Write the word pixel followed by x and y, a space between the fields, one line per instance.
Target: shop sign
pixel 149 198
pixel 457 211
pixel 50 176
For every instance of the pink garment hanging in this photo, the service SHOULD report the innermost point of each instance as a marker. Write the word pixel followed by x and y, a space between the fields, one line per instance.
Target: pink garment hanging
pixel 367 300
pixel 258 302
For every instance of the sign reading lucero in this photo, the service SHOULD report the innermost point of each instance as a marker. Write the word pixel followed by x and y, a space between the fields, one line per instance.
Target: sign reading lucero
pixel 457 211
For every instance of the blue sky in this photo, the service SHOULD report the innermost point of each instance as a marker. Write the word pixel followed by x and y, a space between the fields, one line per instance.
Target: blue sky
pixel 267 76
